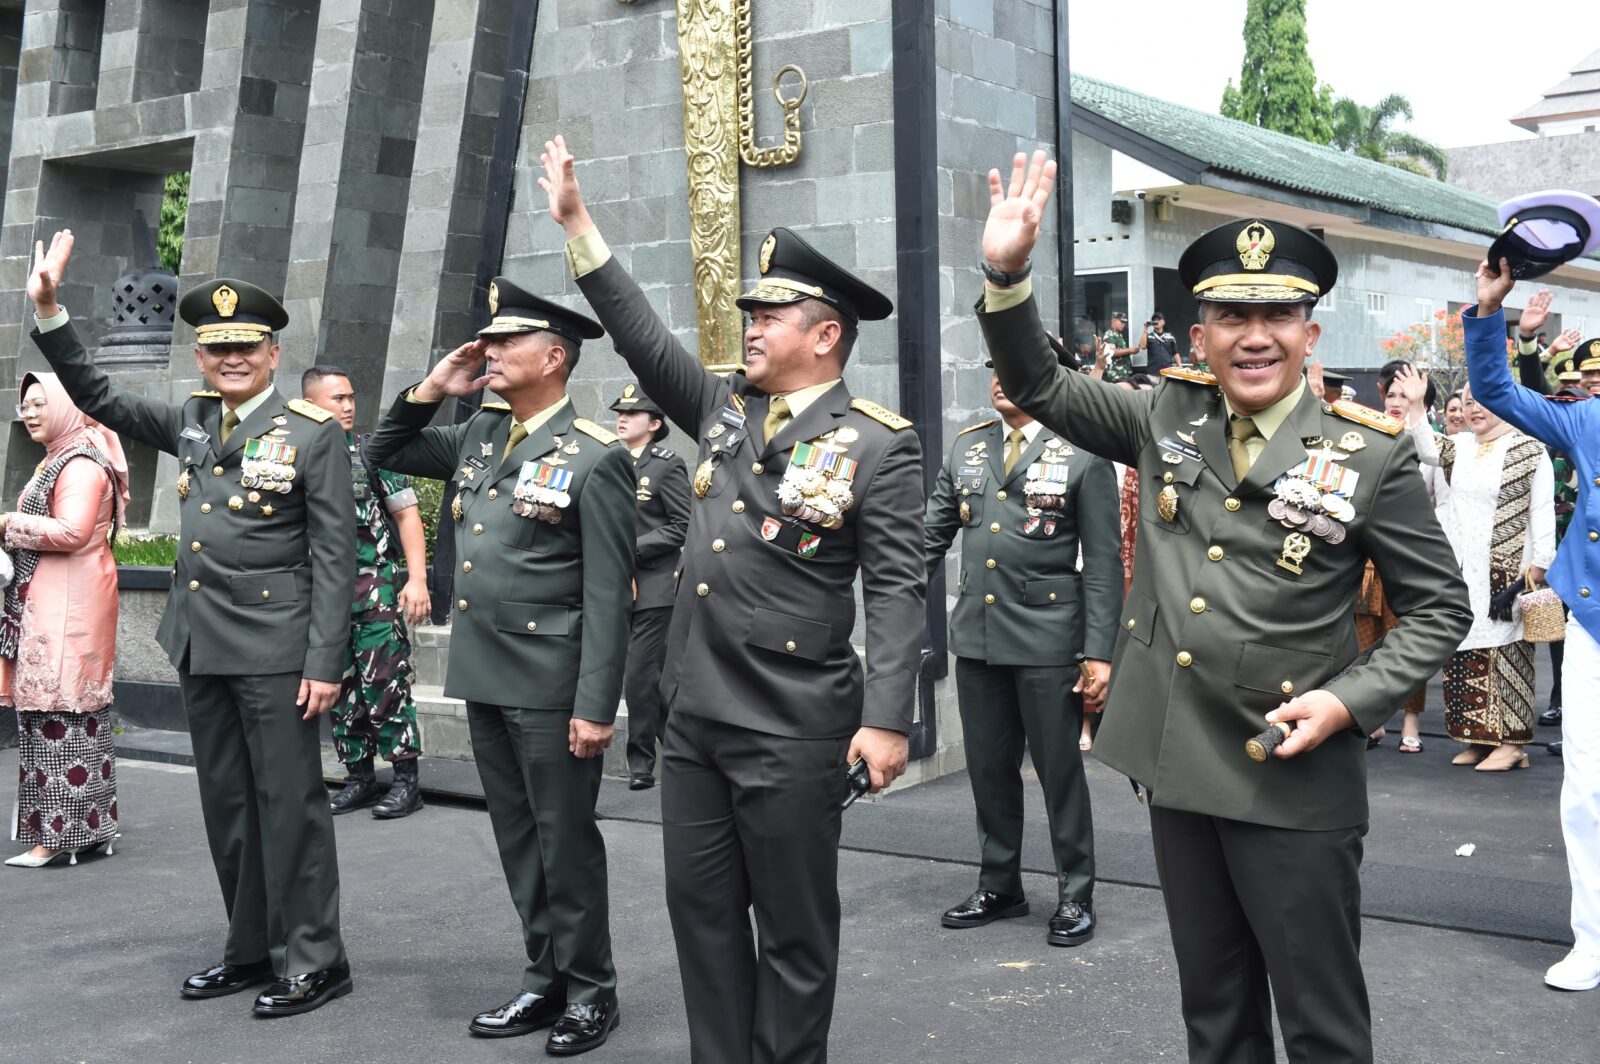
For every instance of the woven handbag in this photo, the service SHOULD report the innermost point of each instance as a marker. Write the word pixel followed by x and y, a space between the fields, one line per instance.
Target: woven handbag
pixel 1544 618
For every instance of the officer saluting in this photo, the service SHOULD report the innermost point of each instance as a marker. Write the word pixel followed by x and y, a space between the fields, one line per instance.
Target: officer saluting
pixel 1259 506
pixel 545 536
pixel 1025 620
pixel 256 624
pixel 798 488
pixel 663 497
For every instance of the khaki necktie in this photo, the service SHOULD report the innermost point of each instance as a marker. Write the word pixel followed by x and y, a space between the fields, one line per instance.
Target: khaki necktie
pixel 1240 429
pixel 777 417
pixel 230 421
pixel 1014 448
pixel 518 434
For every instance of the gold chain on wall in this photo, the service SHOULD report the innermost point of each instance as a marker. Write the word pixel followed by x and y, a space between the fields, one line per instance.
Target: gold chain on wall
pixel 749 151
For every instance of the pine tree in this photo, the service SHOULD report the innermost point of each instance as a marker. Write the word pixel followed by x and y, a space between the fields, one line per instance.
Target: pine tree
pixel 174 212
pixel 1278 83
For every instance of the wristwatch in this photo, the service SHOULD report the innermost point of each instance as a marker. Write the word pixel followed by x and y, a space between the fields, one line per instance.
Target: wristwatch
pixel 1003 279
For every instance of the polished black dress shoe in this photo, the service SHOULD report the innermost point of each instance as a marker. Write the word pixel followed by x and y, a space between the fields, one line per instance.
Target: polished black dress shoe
pixel 226 979
pixel 1072 925
pixel 583 1027
pixel 641 781
pixel 1553 748
pixel 302 993
pixel 1550 717
pixel 405 793
pixel 985 907
pixel 360 789
pixel 524 1013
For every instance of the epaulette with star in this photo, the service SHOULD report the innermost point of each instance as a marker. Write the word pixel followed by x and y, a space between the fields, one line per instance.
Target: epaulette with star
pixel 1365 415
pixel 881 414
pixel 1193 376
pixel 498 408
pixel 207 394
pixel 662 452
pixel 978 426
pixel 308 409
pixel 589 428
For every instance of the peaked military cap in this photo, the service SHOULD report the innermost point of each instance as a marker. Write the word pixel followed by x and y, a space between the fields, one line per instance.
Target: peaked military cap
pixel 513 309
pixel 633 398
pixel 1330 377
pixel 1542 230
pixel 1587 355
pixel 792 270
pixel 226 311
pixel 1566 370
pixel 1257 260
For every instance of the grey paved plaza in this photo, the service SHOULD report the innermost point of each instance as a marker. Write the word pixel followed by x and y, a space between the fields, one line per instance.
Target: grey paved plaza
pixel 1454 947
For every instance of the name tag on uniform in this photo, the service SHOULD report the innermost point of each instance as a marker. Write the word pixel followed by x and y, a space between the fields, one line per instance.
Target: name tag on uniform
pixel 477 463
pixel 192 433
pixel 1173 446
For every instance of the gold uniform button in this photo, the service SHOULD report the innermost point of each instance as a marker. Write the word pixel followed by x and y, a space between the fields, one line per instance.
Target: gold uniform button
pixel 1197 605
pixel 702 590
pixel 494 493
pixel 994 526
pixel 1052 596
pixel 461 604
pixel 789 646
pixel 1131 623
pixel 719 545
pixel 466 567
pixel 1594 536
pixel 1231 503
pixel 235 503
pixel 533 626
pixel 757 468
pixel 738 506
pixel 1287 687
pixel 989 599
pixel 1215 553
pixel 195 546
pixel 477 530
pixel 265 594
pixel 1584 592
pixel 1001 495
pixel 1166 478
pixel 216 471
pixel 205 507
pixel 1597 482
pixel 1185 658
pixel 194 585
pixel 990 564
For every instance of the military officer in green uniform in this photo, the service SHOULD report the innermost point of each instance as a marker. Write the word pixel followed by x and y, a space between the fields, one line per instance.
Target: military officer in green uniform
pixel 1260 504
pixel 1025 622
pixel 799 487
pixel 256 624
pixel 376 715
pixel 545 517
pixel 663 497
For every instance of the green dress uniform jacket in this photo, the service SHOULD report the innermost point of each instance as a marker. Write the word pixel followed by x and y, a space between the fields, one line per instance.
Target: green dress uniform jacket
pixel 541 611
pixel 1021 599
pixel 663 495
pixel 264 579
pixel 761 626
pixel 1219 628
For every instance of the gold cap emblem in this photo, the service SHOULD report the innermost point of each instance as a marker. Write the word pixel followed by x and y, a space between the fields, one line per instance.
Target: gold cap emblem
pixel 627 393
pixel 1255 246
pixel 226 300
pixel 494 298
pixel 767 246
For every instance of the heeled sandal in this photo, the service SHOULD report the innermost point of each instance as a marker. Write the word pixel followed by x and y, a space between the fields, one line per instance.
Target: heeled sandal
pixel 1410 744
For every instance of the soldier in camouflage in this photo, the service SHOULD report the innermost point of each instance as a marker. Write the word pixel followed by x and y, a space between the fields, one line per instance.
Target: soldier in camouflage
pixel 376 716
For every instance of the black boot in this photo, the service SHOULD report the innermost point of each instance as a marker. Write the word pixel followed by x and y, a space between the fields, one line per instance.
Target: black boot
pixel 405 794
pixel 360 788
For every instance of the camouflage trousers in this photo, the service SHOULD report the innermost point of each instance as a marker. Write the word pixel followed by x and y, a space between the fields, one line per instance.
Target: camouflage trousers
pixel 376 716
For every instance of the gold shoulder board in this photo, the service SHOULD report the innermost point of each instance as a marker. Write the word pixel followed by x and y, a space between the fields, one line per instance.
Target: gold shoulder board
pixel 309 409
pixel 206 395
pixel 1365 415
pixel 881 414
pixel 979 425
pixel 504 408
pixel 1193 376
pixel 584 425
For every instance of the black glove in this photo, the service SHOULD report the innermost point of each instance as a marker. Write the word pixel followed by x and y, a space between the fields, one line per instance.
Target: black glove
pixel 1503 605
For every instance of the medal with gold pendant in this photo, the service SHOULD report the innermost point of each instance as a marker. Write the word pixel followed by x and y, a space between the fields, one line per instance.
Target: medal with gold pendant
pixel 1167 504
pixel 183 484
pixel 702 478
pixel 455 507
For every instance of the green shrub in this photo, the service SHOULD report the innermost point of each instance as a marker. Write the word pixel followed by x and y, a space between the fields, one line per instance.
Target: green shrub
pixel 141 548
pixel 430 494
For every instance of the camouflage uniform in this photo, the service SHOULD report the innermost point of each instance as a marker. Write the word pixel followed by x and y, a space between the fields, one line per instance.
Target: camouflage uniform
pixel 376 716
pixel 1118 367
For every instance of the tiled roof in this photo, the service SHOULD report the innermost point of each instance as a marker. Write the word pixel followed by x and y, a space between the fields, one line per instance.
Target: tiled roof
pixel 1234 147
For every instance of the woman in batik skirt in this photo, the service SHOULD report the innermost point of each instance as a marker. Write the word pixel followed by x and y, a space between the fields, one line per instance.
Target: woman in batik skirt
pixel 58 630
pixel 1500 518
